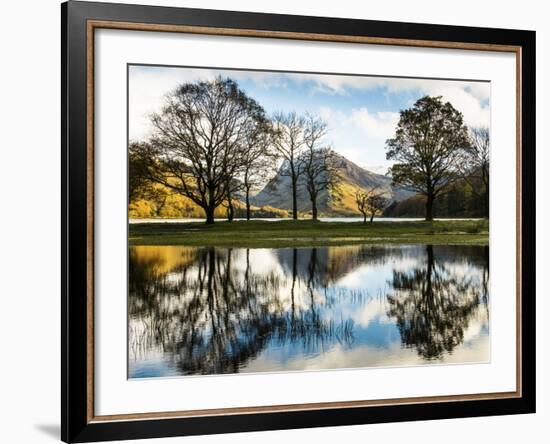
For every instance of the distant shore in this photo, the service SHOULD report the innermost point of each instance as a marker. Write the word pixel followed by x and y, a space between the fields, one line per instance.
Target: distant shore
pixel 281 233
pixel 346 219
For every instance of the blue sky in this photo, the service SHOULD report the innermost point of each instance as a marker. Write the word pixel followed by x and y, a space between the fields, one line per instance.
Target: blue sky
pixel 361 111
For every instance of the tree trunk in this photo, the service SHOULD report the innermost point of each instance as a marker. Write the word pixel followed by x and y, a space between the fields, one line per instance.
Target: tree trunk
pixel 209 215
pixel 314 208
pixel 371 217
pixel 364 218
pixel 429 206
pixel 247 204
pixel 230 210
pixel 294 198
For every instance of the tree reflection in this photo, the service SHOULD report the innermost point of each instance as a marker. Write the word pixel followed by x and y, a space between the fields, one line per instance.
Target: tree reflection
pixel 433 306
pixel 331 263
pixel 214 310
pixel 213 317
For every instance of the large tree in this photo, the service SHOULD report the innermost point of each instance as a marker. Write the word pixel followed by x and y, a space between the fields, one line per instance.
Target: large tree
pixel 428 141
pixel 199 139
pixel 289 143
pixel 318 162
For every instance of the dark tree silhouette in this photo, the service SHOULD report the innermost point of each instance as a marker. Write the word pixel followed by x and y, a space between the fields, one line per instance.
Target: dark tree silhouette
pixel 376 203
pixel 214 318
pixel 427 146
pixel 199 140
pixel 289 142
pixel 258 161
pixel 361 197
pixel 370 202
pixel 318 162
pixel 209 311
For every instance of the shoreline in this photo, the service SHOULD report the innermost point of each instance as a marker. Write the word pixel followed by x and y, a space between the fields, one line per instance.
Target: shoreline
pixel 304 233
pixel 344 219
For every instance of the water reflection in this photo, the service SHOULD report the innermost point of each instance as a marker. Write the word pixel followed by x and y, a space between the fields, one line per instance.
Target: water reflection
pixel 228 310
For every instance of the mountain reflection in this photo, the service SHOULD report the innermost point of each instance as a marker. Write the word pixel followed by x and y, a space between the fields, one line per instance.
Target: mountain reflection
pixel 228 310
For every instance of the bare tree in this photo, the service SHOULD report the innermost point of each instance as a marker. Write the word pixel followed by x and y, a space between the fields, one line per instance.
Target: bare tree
pixel 198 139
pixel 377 204
pixel 370 203
pixel 361 201
pixel 321 173
pixel 258 161
pixel 474 165
pixel 289 143
pixel 318 162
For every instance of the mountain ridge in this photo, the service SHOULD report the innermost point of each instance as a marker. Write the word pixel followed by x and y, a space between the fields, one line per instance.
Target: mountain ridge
pixel 339 201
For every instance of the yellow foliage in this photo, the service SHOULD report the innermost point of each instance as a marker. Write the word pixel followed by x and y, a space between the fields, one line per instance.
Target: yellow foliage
pixel 141 209
pixel 160 260
pixel 171 205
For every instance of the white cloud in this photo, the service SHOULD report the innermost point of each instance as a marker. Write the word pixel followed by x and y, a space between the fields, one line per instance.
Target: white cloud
pixel 359 134
pixel 148 86
pixel 459 95
pixel 470 98
pixel 379 125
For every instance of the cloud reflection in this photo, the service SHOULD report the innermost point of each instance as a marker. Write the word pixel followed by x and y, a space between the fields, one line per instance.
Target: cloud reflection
pixel 230 310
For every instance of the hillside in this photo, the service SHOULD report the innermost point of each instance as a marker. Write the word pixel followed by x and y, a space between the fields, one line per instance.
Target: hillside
pixel 275 199
pixel 458 201
pixel 164 203
pixel 341 201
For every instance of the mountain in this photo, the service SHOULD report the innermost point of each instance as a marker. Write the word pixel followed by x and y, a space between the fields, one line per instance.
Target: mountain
pixel 341 201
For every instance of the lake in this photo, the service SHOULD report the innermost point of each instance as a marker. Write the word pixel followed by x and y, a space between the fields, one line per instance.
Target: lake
pixel 195 310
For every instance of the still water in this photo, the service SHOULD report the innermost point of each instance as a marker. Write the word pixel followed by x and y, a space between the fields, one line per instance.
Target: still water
pixel 209 310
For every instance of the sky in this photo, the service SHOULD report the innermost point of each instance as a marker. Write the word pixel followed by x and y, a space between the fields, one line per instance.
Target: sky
pixel 361 111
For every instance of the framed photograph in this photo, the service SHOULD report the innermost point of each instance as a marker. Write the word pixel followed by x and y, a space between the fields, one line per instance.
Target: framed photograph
pixel 275 221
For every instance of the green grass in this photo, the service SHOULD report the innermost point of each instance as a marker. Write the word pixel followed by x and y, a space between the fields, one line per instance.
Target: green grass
pixel 306 233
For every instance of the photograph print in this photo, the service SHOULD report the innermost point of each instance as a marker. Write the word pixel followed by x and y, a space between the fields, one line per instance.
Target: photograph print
pixel 290 221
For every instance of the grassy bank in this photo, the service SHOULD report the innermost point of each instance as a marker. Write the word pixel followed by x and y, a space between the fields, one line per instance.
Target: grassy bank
pixel 308 233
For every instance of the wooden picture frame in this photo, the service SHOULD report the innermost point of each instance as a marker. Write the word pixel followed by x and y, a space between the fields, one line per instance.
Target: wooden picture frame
pixel 79 22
